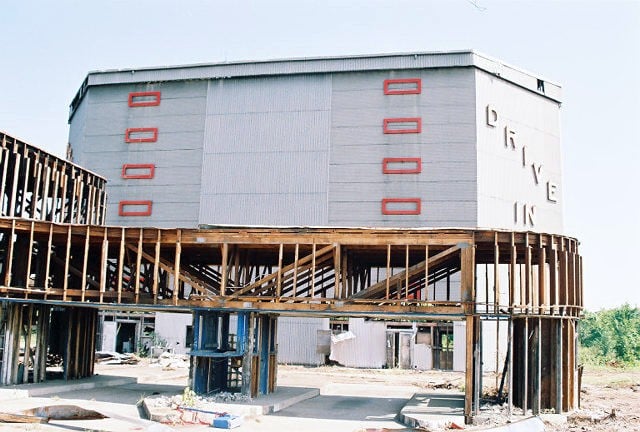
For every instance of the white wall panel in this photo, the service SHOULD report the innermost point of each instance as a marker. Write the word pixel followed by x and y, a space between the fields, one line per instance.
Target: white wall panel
pixel 367 349
pixel 298 340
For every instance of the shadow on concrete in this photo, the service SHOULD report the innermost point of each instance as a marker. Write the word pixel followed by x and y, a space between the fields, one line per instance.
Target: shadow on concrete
pixel 345 408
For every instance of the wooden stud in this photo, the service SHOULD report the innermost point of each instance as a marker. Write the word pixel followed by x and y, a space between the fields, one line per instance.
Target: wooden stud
pixel 224 271
pixel 156 269
pixel 176 278
pixel 27 276
pixel 296 257
pixel 406 271
pixel 138 272
pixel 120 265
pixel 104 261
pixel 279 275
pixel 388 272
pixel 14 185
pixel 84 262
pixel 313 270
pixel 426 274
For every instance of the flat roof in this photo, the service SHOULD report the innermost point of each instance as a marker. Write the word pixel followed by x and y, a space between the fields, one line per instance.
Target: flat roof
pixel 311 65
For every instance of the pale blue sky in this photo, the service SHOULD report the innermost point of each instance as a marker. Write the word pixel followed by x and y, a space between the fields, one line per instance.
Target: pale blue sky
pixel 592 48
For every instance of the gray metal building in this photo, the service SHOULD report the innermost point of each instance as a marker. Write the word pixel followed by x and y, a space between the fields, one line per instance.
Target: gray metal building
pixel 403 140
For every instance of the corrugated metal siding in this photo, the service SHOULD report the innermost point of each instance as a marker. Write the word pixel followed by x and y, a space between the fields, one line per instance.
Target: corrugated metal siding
pixel 367 350
pixel 286 67
pixel 446 146
pixel 298 340
pixel 177 154
pixel 502 178
pixel 266 151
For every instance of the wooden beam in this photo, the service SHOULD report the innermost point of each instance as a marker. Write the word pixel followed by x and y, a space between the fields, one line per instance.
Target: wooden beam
pixel 413 271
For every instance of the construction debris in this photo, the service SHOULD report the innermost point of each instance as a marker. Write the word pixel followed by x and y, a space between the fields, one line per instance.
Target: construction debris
pixel 113 358
pixel 63 412
pixel 21 418
pixel 170 361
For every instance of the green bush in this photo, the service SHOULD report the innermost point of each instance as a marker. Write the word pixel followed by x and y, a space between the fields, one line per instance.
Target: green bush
pixel 611 336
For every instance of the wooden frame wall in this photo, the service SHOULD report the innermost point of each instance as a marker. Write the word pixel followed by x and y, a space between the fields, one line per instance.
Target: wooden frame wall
pixel 37 185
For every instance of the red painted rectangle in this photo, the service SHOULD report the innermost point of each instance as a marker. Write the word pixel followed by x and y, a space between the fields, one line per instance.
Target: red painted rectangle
pixel 403 86
pixel 135 208
pixel 404 165
pixel 141 135
pixel 144 99
pixel 399 125
pixel 397 206
pixel 138 171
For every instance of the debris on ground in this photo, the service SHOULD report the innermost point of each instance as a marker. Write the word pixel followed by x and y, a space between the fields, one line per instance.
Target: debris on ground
pixel 63 412
pixel 21 418
pixel 169 361
pixel 112 358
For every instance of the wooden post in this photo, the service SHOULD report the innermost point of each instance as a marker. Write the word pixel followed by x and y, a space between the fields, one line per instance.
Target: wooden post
pixel 426 274
pixel 27 345
pixel 65 283
pixel 84 262
pixel 104 260
pixel 279 276
pixel 511 354
pixel 9 259
pixel 27 277
pixel 388 272
pixel 406 272
pixel 542 279
pixel 470 371
pixel 176 278
pixel 295 270
pixel 120 265
pixel 337 293
pixel 224 270
pixel 48 262
pixel 313 270
pixel 138 273
pixel 156 269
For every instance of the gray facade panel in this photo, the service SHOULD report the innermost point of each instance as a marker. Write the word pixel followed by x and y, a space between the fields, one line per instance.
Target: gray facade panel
pixel 269 94
pixel 441 171
pixel 432 191
pixel 372 135
pixel 430 153
pixel 446 183
pixel 267 146
pixel 267 132
pixel 174 123
pixel 264 209
pixel 282 172
pixel 368 213
pixel 167 141
pixel 175 90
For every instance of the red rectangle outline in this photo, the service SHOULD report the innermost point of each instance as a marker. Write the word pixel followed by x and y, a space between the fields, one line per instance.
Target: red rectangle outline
pixel 416 201
pixel 122 212
pixel 386 122
pixel 416 170
pixel 150 167
pixel 134 104
pixel 153 138
pixel 416 81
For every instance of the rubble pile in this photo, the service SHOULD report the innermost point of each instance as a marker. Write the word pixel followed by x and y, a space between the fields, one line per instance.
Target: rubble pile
pixel 113 358
pixel 168 361
pixel 200 402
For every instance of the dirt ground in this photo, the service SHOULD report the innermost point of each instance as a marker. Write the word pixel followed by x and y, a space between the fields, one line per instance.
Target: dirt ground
pixel 610 397
pixel 609 400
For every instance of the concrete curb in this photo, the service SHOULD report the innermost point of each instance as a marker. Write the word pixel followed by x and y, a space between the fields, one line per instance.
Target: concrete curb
pixel 51 388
